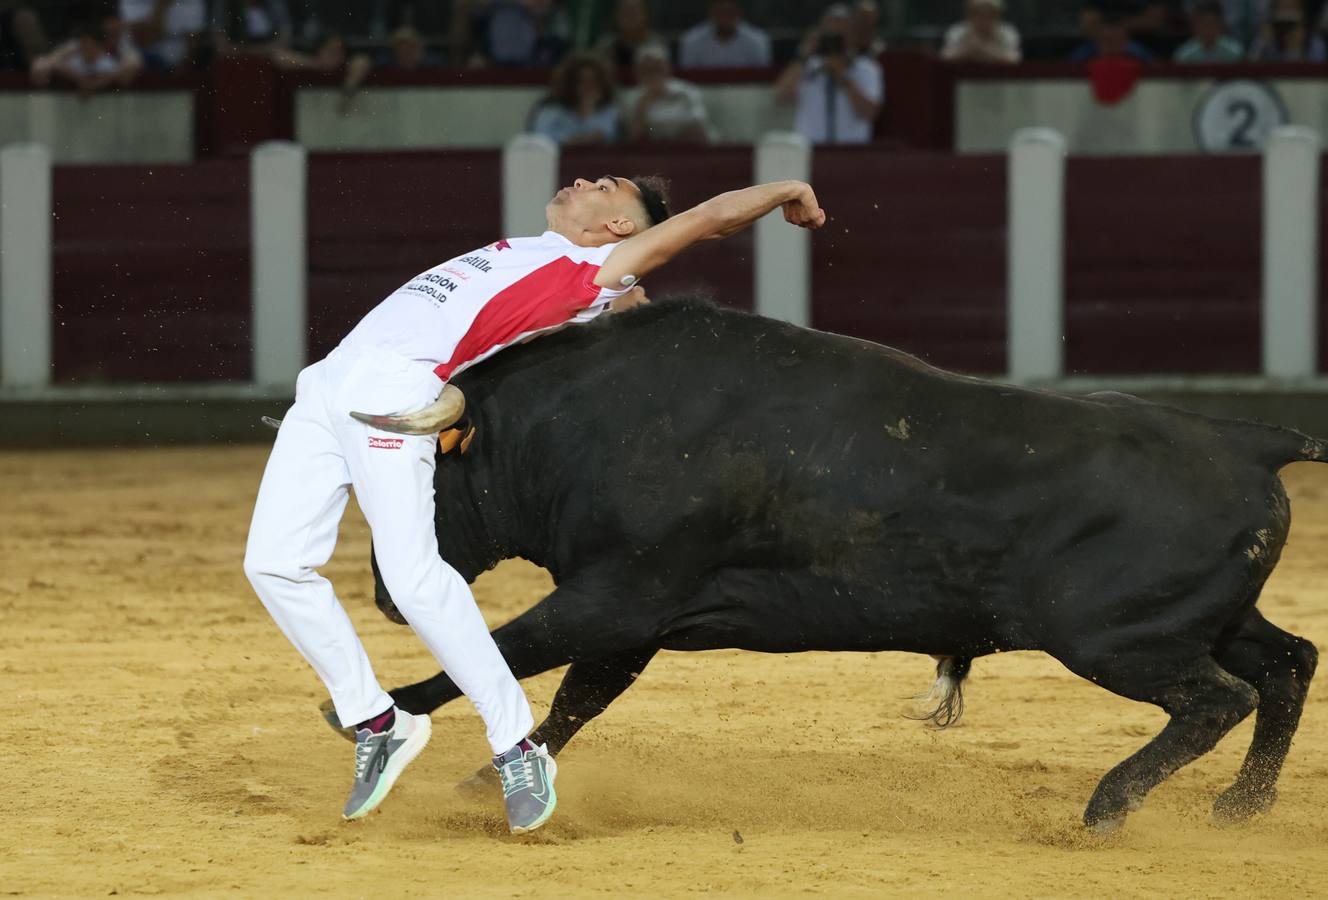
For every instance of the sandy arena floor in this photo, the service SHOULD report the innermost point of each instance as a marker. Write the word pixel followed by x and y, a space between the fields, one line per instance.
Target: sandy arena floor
pixel 163 738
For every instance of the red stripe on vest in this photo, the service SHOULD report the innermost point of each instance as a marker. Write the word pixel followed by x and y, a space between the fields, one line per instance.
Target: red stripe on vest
pixel 549 296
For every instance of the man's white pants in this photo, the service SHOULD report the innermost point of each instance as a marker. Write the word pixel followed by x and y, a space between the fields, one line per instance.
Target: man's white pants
pixel 319 453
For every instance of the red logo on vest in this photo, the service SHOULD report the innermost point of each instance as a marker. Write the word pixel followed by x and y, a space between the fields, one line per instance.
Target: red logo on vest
pixel 502 245
pixel 383 443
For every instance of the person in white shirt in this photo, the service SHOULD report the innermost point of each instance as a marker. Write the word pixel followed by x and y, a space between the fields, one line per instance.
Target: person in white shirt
pixel 724 40
pixel 167 31
pixel 369 415
pixel 838 95
pixel 663 108
pixel 982 36
pixel 100 55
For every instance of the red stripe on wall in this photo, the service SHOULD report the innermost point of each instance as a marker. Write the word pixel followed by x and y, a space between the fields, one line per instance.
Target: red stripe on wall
pixel 547 297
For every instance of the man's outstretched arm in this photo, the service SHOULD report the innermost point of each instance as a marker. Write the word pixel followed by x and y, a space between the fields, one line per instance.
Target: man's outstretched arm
pixel 718 217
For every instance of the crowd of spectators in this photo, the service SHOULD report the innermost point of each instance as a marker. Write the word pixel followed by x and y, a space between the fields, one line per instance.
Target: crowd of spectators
pixel 832 76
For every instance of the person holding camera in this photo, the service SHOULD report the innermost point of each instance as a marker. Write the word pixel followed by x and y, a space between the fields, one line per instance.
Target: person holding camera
pixel 838 94
pixel 1286 37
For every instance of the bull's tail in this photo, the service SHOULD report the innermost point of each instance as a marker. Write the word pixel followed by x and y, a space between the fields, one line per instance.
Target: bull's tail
pixel 1277 447
pixel 947 691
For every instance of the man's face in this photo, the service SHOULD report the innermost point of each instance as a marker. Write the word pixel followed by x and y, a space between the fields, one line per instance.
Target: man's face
pixel 652 70
pixel 630 18
pixel 725 15
pixel 608 202
pixel 408 52
pixel 1112 39
pixel 1207 27
pixel 984 17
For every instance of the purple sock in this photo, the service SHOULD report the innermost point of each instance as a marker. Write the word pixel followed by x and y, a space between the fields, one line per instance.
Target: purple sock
pixel 380 723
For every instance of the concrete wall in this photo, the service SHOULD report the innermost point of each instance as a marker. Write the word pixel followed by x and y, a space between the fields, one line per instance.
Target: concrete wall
pixel 150 127
pixel 389 118
pixel 1157 117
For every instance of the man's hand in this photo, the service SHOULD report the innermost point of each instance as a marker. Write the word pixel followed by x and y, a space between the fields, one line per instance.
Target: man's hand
pixel 803 211
pixel 635 297
pixel 718 217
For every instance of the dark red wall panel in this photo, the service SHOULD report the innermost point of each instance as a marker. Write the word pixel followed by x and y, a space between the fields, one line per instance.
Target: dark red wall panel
pixel 1323 264
pixel 375 220
pixel 151 272
pixel 913 254
pixel 1162 265
pixel 721 269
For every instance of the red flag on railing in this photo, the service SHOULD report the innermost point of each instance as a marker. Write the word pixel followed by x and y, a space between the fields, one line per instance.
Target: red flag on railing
pixel 1113 78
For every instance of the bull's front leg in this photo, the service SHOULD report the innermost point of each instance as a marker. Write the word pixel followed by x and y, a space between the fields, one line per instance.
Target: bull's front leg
pixel 586 691
pixel 581 619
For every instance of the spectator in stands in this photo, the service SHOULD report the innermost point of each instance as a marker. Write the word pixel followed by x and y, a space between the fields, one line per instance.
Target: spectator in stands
pixel 838 95
pixel 631 31
pixel 99 56
pixel 408 53
pixel 1286 37
pixel 983 36
pixel 22 38
pixel 169 32
pixel 1210 43
pixel 521 33
pixel 329 56
pixel 724 40
pixel 864 38
pixel 1109 37
pixel 1242 17
pixel 580 108
pixel 250 26
pixel 664 108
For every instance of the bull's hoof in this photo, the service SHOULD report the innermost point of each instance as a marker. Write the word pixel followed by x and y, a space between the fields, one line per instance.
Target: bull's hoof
pixel 483 785
pixel 1238 804
pixel 330 717
pixel 1105 827
pixel 389 609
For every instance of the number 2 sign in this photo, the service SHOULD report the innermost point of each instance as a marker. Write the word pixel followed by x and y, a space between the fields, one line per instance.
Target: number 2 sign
pixel 1237 116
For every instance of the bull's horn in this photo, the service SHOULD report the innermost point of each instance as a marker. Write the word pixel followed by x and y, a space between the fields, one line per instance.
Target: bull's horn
pixel 449 406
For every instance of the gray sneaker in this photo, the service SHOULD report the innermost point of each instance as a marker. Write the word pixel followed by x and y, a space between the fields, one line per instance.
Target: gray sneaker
pixel 527 776
pixel 381 758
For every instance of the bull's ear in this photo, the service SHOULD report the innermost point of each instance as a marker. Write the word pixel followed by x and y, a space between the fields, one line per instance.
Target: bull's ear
pixel 448 440
pixel 465 441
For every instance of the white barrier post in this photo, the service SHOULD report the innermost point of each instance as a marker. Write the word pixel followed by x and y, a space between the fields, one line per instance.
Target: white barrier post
pixel 25 266
pixel 1035 299
pixel 530 179
pixel 278 171
pixel 783 253
pixel 1290 253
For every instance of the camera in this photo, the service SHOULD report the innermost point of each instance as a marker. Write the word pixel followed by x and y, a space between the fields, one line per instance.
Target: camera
pixel 831 45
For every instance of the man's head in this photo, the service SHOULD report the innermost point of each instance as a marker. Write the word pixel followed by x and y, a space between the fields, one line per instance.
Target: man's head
pixel 407 48
pixel 866 21
pixel 608 209
pixel 1208 21
pixel 985 15
pixel 725 16
pixel 651 65
pixel 631 19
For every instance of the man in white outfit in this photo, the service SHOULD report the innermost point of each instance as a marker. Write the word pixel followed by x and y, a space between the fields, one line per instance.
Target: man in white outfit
pixel 603 236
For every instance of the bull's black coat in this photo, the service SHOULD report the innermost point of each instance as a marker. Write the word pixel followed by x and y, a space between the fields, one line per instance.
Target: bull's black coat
pixel 697 478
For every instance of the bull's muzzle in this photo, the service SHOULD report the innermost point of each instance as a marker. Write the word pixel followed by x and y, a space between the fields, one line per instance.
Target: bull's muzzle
pixel 440 414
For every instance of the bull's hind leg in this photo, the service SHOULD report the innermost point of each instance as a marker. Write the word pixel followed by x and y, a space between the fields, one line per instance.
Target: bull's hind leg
pixel 1204 702
pixel 1280 666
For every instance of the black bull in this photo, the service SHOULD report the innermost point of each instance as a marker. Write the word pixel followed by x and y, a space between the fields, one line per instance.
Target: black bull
pixel 696 478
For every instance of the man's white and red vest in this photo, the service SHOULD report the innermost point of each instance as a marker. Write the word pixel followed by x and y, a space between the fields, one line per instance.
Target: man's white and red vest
pixel 470 307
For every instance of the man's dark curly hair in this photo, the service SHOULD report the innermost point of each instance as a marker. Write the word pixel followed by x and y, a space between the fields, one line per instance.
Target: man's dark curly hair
pixel 654 196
